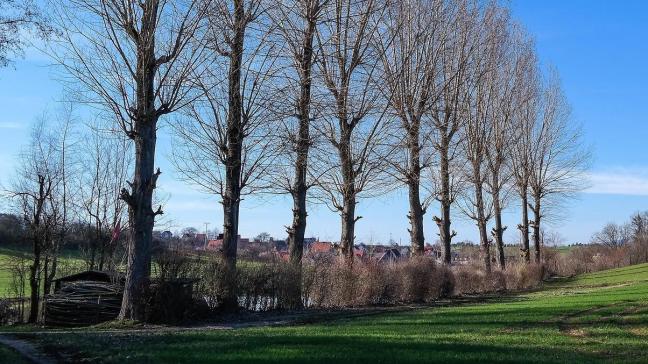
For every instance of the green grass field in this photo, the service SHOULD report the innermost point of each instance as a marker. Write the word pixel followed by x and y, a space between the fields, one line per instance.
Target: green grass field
pixel 601 317
pixel 69 260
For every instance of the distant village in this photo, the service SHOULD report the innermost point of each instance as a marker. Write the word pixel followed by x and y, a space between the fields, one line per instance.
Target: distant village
pixel 264 247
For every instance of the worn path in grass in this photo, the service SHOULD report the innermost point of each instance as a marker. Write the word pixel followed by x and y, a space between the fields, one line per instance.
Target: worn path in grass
pixel 601 317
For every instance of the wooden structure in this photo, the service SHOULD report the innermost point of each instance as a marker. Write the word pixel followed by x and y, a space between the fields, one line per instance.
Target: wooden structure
pixel 86 298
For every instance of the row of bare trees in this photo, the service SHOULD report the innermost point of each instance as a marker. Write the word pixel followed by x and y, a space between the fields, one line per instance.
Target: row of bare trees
pixel 333 101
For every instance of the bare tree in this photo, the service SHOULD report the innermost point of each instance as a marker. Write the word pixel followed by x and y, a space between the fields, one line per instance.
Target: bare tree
pixel 412 38
pixel 297 24
pixel 107 163
pixel 225 145
pixel 352 123
pixel 613 235
pixel 481 113
pixel 525 116
pixel 558 157
pixel 62 200
pixel 40 192
pixel 18 17
pixel 134 60
pixel 509 98
pixel 447 115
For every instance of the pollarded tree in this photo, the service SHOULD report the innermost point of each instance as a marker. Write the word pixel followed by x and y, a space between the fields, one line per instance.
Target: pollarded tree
pixel 525 116
pixel 447 116
pixel 509 100
pixel 481 107
pixel 412 36
pixel 135 60
pixel 297 23
pixel 558 157
pixel 225 144
pixel 353 156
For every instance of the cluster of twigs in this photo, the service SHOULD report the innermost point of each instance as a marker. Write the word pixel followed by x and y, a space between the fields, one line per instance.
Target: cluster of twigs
pixel 83 303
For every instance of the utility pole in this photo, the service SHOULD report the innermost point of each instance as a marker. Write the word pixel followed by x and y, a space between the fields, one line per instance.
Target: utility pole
pixel 206 235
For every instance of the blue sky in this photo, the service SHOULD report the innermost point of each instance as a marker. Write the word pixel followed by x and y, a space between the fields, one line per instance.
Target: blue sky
pixel 600 49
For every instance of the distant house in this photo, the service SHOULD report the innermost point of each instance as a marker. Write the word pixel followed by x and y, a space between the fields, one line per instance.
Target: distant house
pixel 361 251
pixel 217 244
pixel 166 235
pixel 320 247
pixel 390 255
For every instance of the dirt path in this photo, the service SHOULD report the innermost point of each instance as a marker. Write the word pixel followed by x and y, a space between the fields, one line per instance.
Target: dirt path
pixel 27 350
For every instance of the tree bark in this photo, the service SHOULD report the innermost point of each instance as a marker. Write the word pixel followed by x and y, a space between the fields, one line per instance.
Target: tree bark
pixel 524 226
pixel 300 188
pixel 232 195
pixel 415 216
pixel 34 282
pixel 348 228
pixel 349 193
pixel 536 229
pixel 481 220
pixel 498 230
pixel 140 199
pixel 446 202
pixel 141 216
pixel 417 237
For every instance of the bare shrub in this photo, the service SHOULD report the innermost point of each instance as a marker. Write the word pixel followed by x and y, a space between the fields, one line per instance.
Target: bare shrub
pixel 172 262
pixel 10 311
pixel 521 276
pixel 371 283
pixel 474 279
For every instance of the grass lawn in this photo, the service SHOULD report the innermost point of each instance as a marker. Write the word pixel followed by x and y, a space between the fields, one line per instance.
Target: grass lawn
pixel 8 355
pixel 601 317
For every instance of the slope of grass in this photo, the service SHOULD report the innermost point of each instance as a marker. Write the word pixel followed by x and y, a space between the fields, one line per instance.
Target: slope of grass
pixel 601 317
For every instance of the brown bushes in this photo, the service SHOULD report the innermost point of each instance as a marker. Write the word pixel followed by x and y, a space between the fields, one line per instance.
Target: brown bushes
pixel 329 283
pixel 593 258
pixel 519 276
pixel 372 283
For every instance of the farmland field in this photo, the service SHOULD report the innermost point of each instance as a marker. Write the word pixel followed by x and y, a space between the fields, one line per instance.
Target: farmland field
pixel 601 317
pixel 68 260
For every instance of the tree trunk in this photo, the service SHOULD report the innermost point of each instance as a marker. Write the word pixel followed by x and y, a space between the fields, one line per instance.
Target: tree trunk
pixel 300 188
pixel 34 282
pixel 446 202
pixel 484 243
pixel 348 229
pixel 498 230
pixel 142 220
pixel 536 228
pixel 51 274
pixel 232 195
pixel 349 194
pixel 483 235
pixel 140 200
pixel 417 237
pixel 524 227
